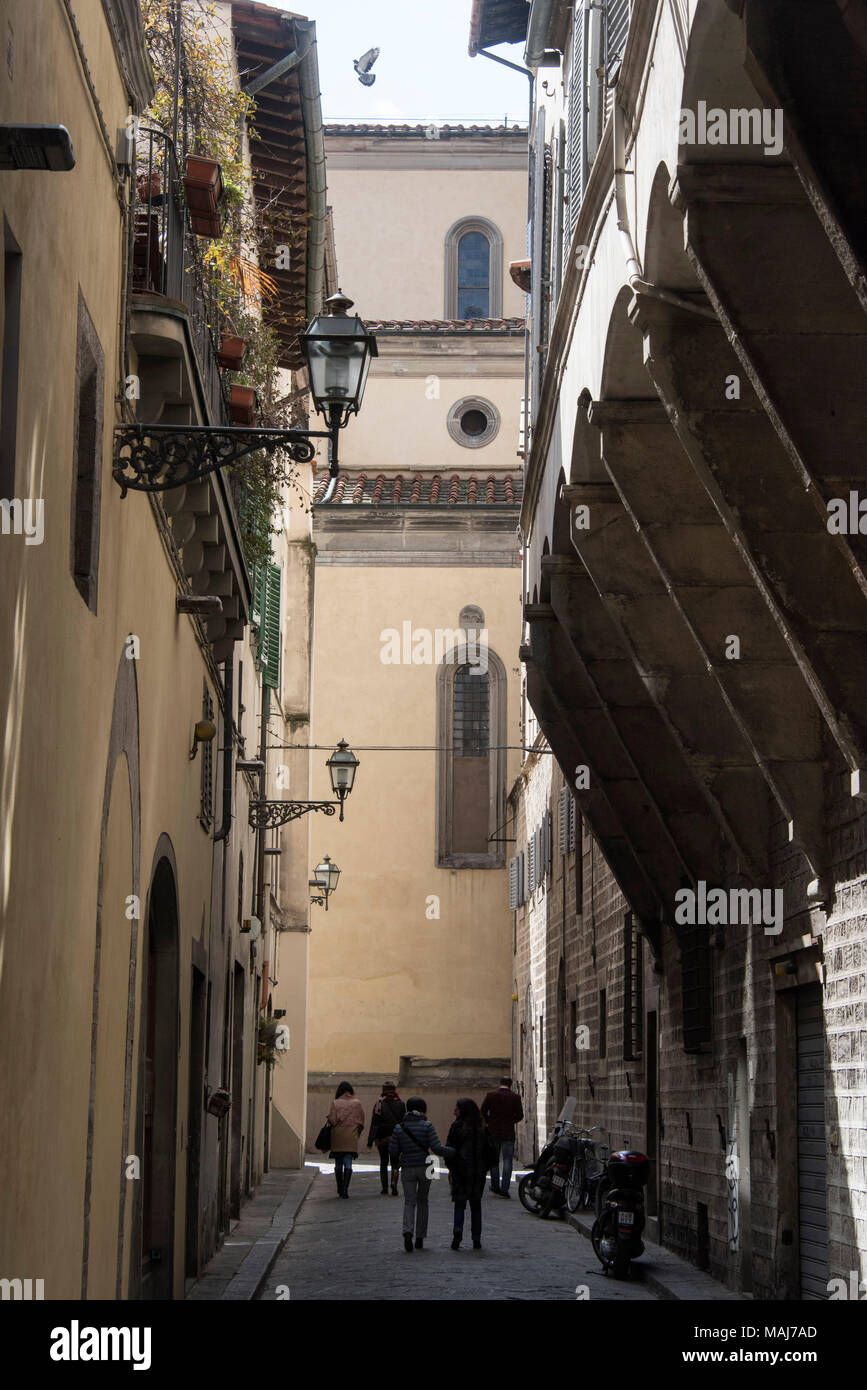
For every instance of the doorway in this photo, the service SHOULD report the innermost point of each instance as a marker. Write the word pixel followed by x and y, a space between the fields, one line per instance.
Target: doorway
pixel 237 1111
pixel 194 1119
pixel 160 1086
pixel 812 1192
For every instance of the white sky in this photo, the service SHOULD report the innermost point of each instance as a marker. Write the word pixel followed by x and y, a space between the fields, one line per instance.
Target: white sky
pixel 423 71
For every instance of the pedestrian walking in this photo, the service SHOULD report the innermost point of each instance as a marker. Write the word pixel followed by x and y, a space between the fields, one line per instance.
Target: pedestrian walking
pixel 501 1111
pixel 346 1118
pixel 410 1143
pixel 388 1111
pixel 468 1169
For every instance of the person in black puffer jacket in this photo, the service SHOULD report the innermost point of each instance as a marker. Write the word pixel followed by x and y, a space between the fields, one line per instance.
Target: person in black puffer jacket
pixel 388 1111
pixel 468 1169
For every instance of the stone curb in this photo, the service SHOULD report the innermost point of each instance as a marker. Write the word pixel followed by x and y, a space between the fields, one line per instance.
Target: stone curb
pixel 667 1274
pixel 246 1283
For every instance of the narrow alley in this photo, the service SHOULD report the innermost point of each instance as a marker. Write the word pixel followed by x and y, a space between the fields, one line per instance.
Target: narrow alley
pixel 353 1251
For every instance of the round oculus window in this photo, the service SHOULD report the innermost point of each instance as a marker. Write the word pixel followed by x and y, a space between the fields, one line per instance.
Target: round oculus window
pixel 473 422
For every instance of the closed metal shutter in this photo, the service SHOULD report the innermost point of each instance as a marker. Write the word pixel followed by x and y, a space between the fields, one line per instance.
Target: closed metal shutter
pixel 812 1192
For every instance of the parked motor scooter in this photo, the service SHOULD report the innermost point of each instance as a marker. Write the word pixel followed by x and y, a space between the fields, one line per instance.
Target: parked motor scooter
pixel 535 1188
pixel 617 1231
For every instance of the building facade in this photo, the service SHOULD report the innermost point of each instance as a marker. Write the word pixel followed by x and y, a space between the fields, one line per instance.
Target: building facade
pixel 694 613
pixel 417 618
pixel 140 943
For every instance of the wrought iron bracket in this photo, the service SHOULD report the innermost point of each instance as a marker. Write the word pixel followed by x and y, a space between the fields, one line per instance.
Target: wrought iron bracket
pixel 267 814
pixel 155 458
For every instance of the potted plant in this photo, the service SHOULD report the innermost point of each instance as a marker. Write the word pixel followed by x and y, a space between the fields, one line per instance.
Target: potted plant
pixel 203 183
pixel 267 1046
pixel 203 189
pixel 242 404
pixel 232 352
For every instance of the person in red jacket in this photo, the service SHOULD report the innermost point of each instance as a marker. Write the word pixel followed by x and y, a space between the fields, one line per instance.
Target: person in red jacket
pixel 501 1111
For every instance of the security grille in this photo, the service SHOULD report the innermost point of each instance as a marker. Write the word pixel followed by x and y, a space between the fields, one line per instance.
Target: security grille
pixel 633 990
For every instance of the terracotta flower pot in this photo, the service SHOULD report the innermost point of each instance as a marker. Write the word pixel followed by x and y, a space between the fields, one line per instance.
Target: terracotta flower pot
pixel 242 404
pixel 148 188
pixel 203 184
pixel 232 352
pixel 206 223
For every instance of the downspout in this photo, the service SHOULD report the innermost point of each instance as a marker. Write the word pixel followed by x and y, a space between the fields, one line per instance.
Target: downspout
pixel 634 275
pixel 537 32
pixel 314 138
pixel 228 731
pixel 516 67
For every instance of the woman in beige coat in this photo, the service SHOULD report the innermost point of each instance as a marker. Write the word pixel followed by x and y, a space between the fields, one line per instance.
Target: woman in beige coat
pixel 346 1118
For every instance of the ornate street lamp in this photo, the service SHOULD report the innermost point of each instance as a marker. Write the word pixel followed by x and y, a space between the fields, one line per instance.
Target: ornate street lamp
pixel 324 879
pixel 342 765
pixel 337 349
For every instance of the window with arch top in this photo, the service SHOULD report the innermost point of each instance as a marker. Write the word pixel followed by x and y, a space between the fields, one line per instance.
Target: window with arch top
pixel 471 761
pixel 474 270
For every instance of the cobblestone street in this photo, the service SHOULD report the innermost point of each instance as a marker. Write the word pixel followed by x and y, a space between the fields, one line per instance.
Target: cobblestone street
pixel 353 1250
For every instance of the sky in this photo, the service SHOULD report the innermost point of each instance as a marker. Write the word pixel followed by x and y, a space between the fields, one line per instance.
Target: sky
pixel 423 71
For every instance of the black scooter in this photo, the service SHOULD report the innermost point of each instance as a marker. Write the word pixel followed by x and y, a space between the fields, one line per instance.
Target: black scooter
pixel 616 1233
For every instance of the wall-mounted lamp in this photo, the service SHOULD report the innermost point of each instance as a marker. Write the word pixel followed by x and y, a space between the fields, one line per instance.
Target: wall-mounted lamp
pixel 342 766
pixel 36 147
pixel 204 732
pixel 249 765
pixel 324 880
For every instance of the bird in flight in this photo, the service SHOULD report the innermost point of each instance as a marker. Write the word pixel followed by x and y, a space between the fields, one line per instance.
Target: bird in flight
pixel 363 65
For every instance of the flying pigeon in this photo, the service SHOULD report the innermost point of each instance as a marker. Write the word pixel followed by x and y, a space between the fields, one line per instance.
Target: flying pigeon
pixel 363 65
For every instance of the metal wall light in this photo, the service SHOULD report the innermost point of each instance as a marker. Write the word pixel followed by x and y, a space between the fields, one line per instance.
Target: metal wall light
pixel 342 766
pixel 204 732
pixel 338 351
pixel 324 880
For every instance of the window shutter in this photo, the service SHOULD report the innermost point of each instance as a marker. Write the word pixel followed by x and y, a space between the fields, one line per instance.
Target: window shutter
pixel 575 126
pixel 697 988
pixel 563 819
pixel 257 599
pixel 513 881
pixel 616 29
pixel 269 650
pixel 549 843
pixel 573 818
pixel 522 880
pixel 531 861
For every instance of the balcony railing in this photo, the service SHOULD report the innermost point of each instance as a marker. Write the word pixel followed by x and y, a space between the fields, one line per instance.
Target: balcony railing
pixel 166 258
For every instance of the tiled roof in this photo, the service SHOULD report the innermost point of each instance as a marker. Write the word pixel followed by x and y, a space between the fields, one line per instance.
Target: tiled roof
pixel 475 326
pixel 447 132
pixel 421 489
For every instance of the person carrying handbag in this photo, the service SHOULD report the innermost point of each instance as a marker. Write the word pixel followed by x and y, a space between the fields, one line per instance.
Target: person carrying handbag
pixel 346 1118
pixel 388 1111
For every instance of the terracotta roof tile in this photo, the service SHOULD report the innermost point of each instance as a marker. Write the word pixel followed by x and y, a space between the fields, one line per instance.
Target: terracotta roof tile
pixel 388 490
pixel 421 128
pixel 475 326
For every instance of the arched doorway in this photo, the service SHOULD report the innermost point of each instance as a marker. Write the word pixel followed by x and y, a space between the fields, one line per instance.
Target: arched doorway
pixel 159 1032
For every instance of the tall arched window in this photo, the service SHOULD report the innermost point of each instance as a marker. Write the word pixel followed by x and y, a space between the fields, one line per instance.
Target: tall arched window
pixel 474 270
pixel 471 763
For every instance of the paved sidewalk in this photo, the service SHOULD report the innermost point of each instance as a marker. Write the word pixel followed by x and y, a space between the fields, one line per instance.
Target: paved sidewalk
pixel 353 1251
pixel 666 1273
pixel 267 1218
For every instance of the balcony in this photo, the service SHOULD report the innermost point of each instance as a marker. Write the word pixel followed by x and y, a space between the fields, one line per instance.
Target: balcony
pixel 174 328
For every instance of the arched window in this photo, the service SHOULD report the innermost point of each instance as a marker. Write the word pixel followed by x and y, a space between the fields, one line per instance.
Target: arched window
pixel 471 766
pixel 474 270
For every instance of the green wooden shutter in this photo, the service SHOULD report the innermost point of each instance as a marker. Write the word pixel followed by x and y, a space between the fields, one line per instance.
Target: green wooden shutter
pixel 269 649
pixel 257 599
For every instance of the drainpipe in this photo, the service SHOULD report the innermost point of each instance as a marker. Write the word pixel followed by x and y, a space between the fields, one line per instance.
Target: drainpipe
pixel 537 32
pixel 634 275
pixel 228 722
pixel 314 138
pixel 516 67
